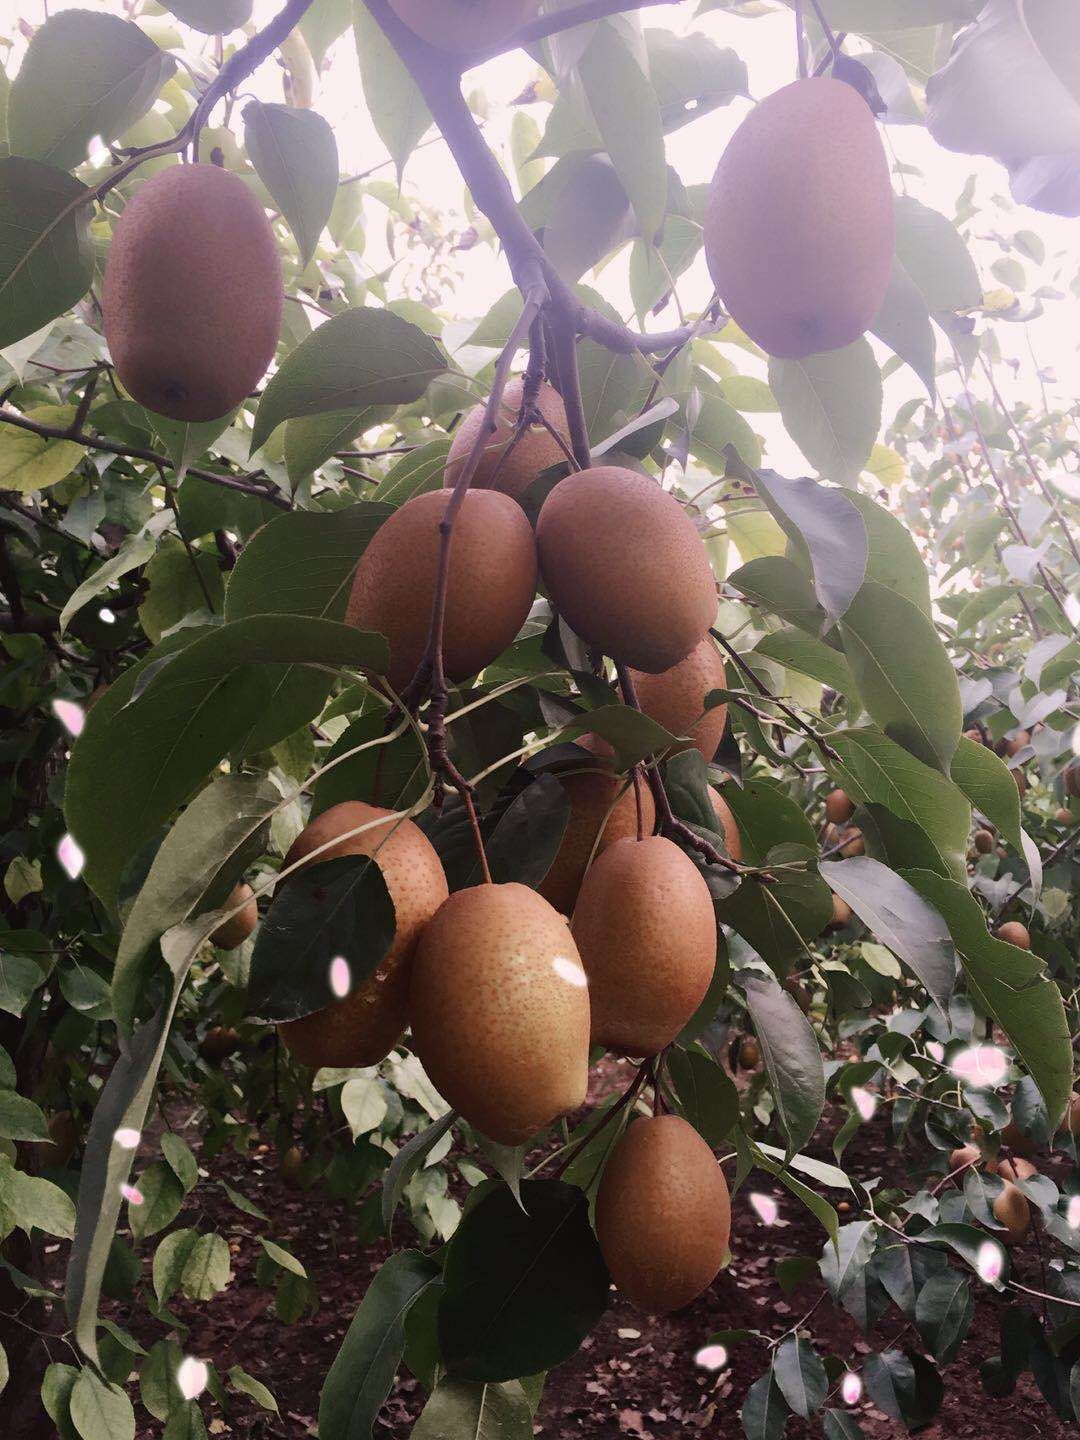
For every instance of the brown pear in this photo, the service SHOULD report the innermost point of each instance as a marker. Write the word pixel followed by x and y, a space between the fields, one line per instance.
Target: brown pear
pixel 219 1042
pixel 512 471
pixel 232 934
pixel 465 27
pixel 663 1214
pixel 838 807
pixel 1013 933
pixel 500 1011
pixel 676 698
pixel 1012 1210
pixel 1015 1169
pixel 365 1026
pixel 192 297
pixel 728 823
pixel 646 931
pixel 983 842
pixel 749 1054
pixel 1018 1140
pixel 966 1155
pixel 841 914
pixel 1072 1115
pixel 625 567
pixel 799 229
pixel 603 809
pixel 489 594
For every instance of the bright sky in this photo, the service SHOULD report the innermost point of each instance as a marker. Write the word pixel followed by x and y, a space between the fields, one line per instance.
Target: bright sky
pixel 767 46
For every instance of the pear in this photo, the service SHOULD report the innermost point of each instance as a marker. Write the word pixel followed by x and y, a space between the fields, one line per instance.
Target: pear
pixel 465 27
pixel 192 297
pixel 492 582
pixel 646 930
pixel 536 451
pixel 663 1214
pixel 799 228
pixel 603 809
pixel 838 807
pixel 1013 933
pixel 365 1026
pixel 676 698
pixel 728 824
pixel 232 934
pixel 500 1010
pixel 1012 1210
pixel 625 567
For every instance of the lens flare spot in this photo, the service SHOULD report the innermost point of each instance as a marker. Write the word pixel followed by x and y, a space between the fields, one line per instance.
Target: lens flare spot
pixel 983 1066
pixel 765 1208
pixel 711 1357
pixel 570 971
pixel 991 1262
pixel 340 977
pixel 192 1377
pixel 935 1050
pixel 106 616
pixel 1073 1212
pixel 70 715
pixel 865 1103
pixel 851 1388
pixel 71 857
pixel 132 1194
pixel 127 1138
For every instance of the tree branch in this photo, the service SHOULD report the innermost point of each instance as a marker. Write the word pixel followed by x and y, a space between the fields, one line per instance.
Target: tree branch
pixel 132 452
pixel 562 20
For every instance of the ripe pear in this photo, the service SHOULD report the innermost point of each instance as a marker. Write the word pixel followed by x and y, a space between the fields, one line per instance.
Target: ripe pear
pixel 1015 1169
pixel 1072 1115
pixel 676 698
pixel 965 1155
pixel 219 1043
pixel 625 567
pixel 749 1054
pixel 500 1010
pixel 663 1214
pixel 465 27
pixel 232 934
pixel 983 842
pixel 1065 817
pixel 841 914
pixel 292 1164
pixel 1012 1210
pixel 1013 933
pixel 854 844
pixel 838 807
pixel 1018 1140
pixel 728 823
pixel 800 230
pixel 490 591
pixel 535 452
pixel 365 1026
pixel 1071 779
pixel 193 293
pixel 646 931
pixel 603 809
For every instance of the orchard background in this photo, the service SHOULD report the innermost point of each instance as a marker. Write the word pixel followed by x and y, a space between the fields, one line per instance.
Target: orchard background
pixel 199 1234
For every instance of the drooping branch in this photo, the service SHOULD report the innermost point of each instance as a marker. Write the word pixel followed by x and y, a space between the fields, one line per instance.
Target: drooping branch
pixel 242 485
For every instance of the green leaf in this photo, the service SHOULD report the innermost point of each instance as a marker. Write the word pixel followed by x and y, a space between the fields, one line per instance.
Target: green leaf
pixel 797 651
pixel 337 909
pixel 780 586
pixel 777 920
pixel 212 17
pixel 206 1269
pixel 314 439
pixel 841 1425
pixel 283 1258
pixel 904 1385
pixel 322 24
pixel 20 1118
pixel 800 1376
pixel 824 526
pixel 792 1057
pixel 161 1194
pixel 894 560
pixel 186 442
pixel 220 833
pixel 841 1266
pixel 363 1371
pixel 362 357
pixel 83 75
pixel 296 157
pixel 56 1388
pixel 19 978
pixel 707 1097
pixel 989 784
pixel 415 473
pixel 632 734
pixel 523 1286
pixel 943 1313
pixel 5 1371
pixel 408 1160
pixel 900 918
pixel 35 1203
pixel 627 115
pixel 908 685
pixel 247 1384
pixel 179 584
pixel 100 1411
pixel 1009 984
pixel 397 108
pixel 589 217
pixel 765 1412
pixel 718 425
pixel 46 256
pixel 30 462
pixel 136 551
pixel 465 1410
pixel 692 75
pixel 170 1257
pixel 831 407
pixel 903 322
pixel 934 255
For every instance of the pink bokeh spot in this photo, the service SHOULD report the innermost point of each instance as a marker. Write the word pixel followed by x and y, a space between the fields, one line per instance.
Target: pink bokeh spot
pixel 991 1262
pixel 340 977
pixel 71 715
pixel 127 1138
pixel 71 857
pixel 192 1377
pixel 711 1357
pixel 765 1208
pixel 981 1065
pixel 132 1194
pixel 851 1388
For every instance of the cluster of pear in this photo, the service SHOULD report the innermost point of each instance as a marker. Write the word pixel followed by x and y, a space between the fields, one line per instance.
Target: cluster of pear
pixel 1010 1206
